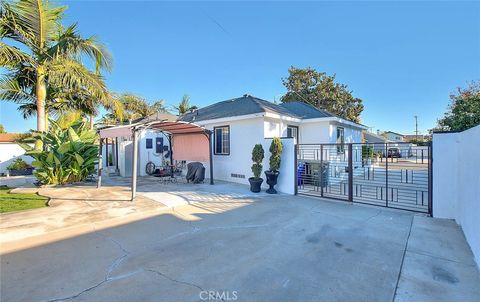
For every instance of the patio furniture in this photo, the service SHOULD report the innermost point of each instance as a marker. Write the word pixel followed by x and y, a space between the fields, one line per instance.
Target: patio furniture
pixel 195 172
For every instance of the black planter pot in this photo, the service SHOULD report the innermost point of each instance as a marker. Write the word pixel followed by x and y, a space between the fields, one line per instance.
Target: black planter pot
pixel 255 184
pixel 27 171
pixel 272 177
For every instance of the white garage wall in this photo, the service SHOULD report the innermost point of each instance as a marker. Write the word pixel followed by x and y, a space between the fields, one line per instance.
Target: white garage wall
pixel 456 182
pixel 314 133
pixel 244 134
pixel 9 152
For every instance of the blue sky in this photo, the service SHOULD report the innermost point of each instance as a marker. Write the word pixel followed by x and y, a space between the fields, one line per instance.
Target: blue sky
pixel 401 58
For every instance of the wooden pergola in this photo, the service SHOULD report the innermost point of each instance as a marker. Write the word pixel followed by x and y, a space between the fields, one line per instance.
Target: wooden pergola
pixel 188 141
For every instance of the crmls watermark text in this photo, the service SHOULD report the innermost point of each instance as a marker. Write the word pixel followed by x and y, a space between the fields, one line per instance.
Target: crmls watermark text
pixel 213 295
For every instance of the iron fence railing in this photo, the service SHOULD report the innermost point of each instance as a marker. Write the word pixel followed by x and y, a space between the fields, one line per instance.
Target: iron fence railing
pixel 396 175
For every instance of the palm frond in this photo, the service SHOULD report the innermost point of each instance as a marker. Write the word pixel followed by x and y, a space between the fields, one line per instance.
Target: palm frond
pixel 70 44
pixel 12 29
pixel 72 74
pixel 38 17
pixel 11 56
pixel 11 90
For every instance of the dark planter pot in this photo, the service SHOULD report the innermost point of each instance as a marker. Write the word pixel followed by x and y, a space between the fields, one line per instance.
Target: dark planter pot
pixel 255 184
pixel 272 177
pixel 28 171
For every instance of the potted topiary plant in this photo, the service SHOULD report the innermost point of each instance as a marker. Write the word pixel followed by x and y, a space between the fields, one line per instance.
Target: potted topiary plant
pixel 272 174
pixel 257 158
pixel 19 167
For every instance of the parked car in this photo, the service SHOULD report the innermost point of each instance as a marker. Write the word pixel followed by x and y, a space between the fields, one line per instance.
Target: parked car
pixel 394 152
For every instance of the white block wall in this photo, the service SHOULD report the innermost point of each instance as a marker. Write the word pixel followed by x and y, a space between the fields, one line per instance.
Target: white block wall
pixel 456 182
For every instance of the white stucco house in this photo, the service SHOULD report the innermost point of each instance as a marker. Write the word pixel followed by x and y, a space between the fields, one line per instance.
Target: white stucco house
pixel 394 136
pixel 240 123
pixel 10 150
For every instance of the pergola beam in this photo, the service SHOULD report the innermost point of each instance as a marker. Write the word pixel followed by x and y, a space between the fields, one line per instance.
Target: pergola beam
pixel 172 128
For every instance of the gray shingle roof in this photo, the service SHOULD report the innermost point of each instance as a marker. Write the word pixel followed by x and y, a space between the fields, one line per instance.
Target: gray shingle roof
pixel 244 105
pixel 248 104
pixel 305 111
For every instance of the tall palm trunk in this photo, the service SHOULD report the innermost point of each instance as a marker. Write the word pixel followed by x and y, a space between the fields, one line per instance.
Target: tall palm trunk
pixel 41 95
pixel 91 121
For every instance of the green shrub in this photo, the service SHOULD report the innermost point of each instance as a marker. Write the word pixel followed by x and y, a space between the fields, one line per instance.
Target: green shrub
pixel 367 151
pixel 257 157
pixel 18 164
pixel 276 148
pixel 69 155
pixel 110 159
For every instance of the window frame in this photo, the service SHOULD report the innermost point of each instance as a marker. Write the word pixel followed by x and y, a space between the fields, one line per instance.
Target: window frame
pixel 215 140
pixel 295 137
pixel 148 143
pixel 341 144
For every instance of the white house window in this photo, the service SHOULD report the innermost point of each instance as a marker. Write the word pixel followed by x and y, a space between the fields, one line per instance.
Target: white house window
pixel 292 131
pixel 222 140
pixel 149 143
pixel 340 140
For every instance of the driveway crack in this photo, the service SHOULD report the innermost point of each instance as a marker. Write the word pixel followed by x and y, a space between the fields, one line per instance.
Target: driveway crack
pixel 174 280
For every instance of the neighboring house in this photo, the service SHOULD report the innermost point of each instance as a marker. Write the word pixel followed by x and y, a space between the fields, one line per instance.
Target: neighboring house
pixel 240 123
pixel 10 150
pixel 373 138
pixel 413 137
pixel 376 140
pixel 394 137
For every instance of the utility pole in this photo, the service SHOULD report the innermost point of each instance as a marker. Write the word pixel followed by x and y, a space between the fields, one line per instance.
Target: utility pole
pixel 416 128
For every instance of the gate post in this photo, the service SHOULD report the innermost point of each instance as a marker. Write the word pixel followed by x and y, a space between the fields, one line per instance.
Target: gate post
pixel 321 170
pixel 386 175
pixel 350 172
pixel 295 168
pixel 430 179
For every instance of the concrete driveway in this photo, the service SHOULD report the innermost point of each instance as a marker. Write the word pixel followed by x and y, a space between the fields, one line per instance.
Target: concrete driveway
pixel 271 248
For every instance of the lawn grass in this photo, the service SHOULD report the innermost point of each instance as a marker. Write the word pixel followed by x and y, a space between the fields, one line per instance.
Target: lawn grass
pixel 10 202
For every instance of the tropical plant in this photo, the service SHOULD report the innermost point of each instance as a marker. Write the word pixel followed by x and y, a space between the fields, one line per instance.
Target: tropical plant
pixel 2 129
pixel 70 154
pixel 257 157
pixel 184 105
pixel 47 74
pixel 276 148
pixel 321 91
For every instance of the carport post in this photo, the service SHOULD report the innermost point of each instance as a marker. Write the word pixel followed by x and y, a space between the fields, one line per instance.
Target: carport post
pixel 210 155
pixel 134 163
pixel 99 178
pixel 116 154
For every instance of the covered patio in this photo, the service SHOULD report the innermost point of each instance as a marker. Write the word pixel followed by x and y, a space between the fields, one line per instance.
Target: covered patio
pixel 188 142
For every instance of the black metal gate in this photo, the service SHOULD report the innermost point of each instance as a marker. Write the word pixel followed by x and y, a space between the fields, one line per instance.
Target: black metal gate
pixel 395 175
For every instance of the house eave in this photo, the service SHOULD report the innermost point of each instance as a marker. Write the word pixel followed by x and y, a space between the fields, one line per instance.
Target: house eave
pixel 335 120
pixel 230 119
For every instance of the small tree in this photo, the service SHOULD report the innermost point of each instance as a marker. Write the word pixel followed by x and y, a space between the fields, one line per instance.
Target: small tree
pixel 257 157
pixel 464 109
pixel 276 148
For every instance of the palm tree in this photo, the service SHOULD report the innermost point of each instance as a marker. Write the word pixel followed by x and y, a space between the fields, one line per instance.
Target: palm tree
pixel 184 105
pixel 133 107
pixel 50 72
